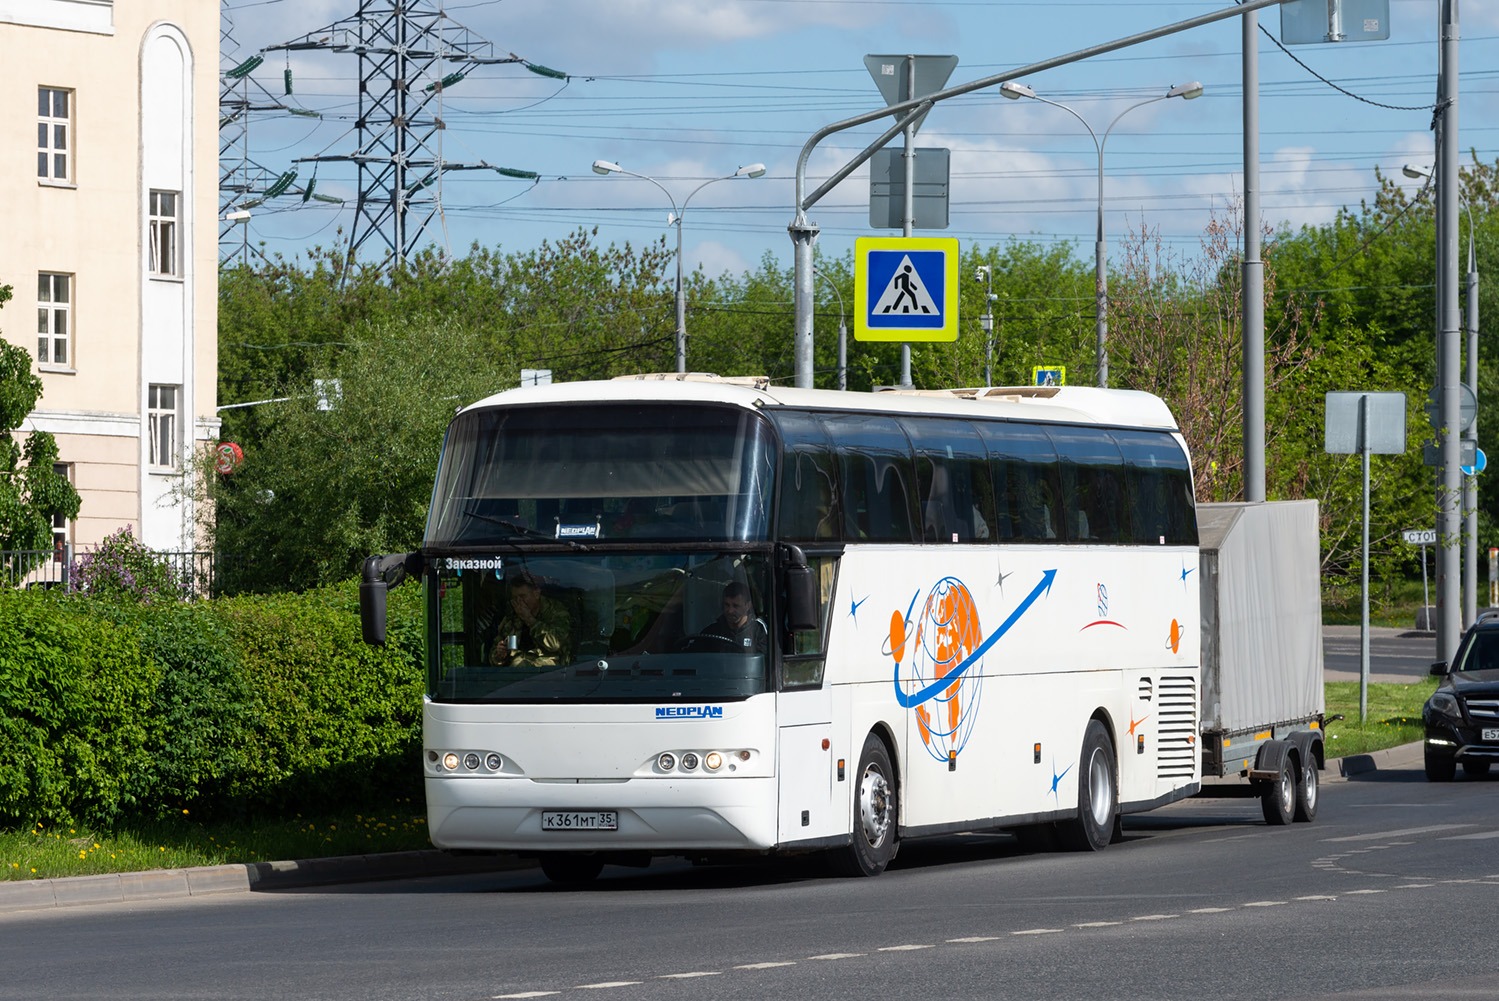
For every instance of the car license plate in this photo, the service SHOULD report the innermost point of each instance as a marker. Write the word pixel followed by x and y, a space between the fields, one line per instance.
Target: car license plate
pixel 1490 733
pixel 577 820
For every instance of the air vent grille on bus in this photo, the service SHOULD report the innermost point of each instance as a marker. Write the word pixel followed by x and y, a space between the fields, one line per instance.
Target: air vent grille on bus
pixel 1147 690
pixel 1176 731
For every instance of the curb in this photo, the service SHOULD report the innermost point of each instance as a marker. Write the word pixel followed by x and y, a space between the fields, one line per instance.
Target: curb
pixel 1406 756
pixel 169 884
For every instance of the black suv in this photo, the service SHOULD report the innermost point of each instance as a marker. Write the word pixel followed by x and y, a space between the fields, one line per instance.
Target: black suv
pixel 1462 715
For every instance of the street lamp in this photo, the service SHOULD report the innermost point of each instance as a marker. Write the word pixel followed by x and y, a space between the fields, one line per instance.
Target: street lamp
pixel 1470 485
pixel 1015 91
pixel 842 332
pixel 675 219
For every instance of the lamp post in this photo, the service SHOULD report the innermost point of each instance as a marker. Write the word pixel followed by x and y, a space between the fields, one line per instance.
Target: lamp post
pixel 1015 91
pixel 984 273
pixel 675 219
pixel 842 332
pixel 1470 485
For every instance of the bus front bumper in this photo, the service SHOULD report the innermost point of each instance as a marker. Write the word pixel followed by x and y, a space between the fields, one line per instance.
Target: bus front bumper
pixel 505 814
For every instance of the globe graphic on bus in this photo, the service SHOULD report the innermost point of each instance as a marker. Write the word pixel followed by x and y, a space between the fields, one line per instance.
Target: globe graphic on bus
pixel 946 633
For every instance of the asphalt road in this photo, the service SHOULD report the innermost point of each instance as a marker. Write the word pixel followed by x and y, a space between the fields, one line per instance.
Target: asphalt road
pixel 1395 655
pixel 1386 895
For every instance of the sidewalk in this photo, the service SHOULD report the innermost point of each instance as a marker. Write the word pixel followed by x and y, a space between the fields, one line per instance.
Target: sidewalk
pixel 167 884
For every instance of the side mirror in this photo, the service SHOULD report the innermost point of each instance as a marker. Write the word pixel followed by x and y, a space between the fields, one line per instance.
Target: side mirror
pixel 380 574
pixel 801 591
pixel 1439 668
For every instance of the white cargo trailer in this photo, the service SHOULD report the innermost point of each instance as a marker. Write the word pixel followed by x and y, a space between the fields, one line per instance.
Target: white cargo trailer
pixel 1262 699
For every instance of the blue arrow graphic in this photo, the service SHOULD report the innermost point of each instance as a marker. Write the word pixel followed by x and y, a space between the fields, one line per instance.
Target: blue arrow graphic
pixel 930 691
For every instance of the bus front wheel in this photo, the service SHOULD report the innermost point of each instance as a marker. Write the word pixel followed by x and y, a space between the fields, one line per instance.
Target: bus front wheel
pixel 1097 797
pixel 875 813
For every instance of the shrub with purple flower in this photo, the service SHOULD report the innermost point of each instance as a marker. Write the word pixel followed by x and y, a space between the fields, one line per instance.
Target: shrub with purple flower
pixel 124 567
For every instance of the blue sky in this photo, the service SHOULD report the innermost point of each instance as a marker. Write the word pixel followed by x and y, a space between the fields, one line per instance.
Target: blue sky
pixel 687 90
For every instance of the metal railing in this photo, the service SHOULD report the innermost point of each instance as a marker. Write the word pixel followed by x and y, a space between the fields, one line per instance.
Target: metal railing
pixel 194 571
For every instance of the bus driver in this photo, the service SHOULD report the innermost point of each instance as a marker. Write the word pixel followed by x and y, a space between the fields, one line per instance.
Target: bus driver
pixel 536 632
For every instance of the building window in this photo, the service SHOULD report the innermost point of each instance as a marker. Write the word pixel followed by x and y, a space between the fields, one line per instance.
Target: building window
pixel 163 242
pixel 162 412
pixel 60 520
pixel 54 307
pixel 54 125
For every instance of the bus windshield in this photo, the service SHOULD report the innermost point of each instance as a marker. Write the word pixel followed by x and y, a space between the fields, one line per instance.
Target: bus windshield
pixel 601 472
pixel 598 627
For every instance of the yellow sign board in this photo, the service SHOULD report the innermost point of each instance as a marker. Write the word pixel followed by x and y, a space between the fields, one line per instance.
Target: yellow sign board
pixel 1049 375
pixel 905 288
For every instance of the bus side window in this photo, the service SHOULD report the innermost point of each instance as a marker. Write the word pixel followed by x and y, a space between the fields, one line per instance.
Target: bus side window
pixel 1160 487
pixel 1026 482
pixel 952 475
pixel 809 481
pixel 878 478
pixel 1095 504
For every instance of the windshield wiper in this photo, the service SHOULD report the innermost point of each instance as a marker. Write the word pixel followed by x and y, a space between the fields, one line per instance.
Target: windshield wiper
pixel 524 531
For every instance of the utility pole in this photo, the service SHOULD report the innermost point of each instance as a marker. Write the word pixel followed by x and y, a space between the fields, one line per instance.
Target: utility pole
pixel 1449 346
pixel 1252 286
pixel 409 52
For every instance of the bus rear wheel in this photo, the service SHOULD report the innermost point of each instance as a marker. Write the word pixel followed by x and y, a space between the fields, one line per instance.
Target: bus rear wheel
pixel 564 867
pixel 1097 794
pixel 875 813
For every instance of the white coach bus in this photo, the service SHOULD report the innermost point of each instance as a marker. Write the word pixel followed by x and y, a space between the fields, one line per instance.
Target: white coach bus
pixel 695 616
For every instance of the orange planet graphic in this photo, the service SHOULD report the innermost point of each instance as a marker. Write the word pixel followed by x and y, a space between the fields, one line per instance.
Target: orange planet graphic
pixel 1174 638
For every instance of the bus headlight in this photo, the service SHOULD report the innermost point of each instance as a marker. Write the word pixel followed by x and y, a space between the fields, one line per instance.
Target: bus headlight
pixel 713 761
pixel 666 762
pixel 450 761
pixel 493 762
pixel 471 761
pixel 689 761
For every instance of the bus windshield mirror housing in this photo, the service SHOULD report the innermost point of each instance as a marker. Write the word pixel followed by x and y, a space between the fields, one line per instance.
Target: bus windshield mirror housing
pixel 381 573
pixel 801 591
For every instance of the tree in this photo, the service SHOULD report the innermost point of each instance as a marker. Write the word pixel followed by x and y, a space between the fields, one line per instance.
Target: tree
pixel 31 492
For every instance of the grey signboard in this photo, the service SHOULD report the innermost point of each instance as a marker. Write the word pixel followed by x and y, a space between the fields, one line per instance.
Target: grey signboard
pixel 892 75
pixel 1386 423
pixel 1306 22
pixel 887 189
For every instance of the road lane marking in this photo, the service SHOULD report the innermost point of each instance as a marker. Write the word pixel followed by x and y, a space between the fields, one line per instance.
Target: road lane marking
pixel 1265 903
pixel 902 948
pixel 1209 910
pixel 1414 886
pixel 689 976
pixel 526 994
pixel 1154 917
pixel 1037 931
pixel 763 966
pixel 1318 896
pixel 976 938
pixel 1386 835
pixel 608 983
pixel 1352 892
pixel 838 955
pixel 1097 924
pixel 1484 836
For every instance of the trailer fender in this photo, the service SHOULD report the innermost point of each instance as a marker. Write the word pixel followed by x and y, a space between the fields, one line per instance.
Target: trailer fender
pixel 1309 747
pixel 1268 762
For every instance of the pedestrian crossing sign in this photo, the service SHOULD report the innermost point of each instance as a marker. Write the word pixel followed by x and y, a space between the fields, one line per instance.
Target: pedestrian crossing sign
pixel 905 288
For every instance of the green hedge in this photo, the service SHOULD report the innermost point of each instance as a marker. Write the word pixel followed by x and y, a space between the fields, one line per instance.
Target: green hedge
pixel 258 705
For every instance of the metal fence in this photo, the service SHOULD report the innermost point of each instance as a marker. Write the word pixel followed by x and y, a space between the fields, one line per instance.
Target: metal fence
pixel 195 572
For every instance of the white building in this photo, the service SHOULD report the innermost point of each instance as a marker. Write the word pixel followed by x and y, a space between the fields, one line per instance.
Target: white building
pixel 111 245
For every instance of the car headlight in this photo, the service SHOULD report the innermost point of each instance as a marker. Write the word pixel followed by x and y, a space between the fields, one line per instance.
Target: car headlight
pixel 1443 704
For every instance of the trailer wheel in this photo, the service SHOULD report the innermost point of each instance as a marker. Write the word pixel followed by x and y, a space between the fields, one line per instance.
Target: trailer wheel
pixel 1439 767
pixel 566 867
pixel 1097 797
pixel 875 813
pixel 1278 796
pixel 1307 789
